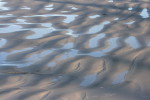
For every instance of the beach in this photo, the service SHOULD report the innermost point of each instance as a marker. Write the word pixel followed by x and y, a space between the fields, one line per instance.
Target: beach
pixel 74 50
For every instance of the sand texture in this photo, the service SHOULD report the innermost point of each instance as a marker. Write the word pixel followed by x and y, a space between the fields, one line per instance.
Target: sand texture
pixel 74 50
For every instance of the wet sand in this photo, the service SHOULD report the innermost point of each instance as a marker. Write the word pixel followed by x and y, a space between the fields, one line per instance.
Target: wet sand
pixel 74 50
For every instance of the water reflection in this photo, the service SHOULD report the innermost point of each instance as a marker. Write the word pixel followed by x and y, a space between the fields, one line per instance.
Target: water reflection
pixel 113 44
pixel 144 13
pixel 110 1
pixel 56 79
pixel 73 8
pixel 25 8
pixel 11 28
pixel 120 78
pixel 94 16
pixel 98 28
pixel 21 21
pixel 116 19
pixel 7 16
pixel 71 33
pixel 39 32
pixel 68 46
pixel 5 55
pixel 49 7
pixel 2 6
pixel 2 42
pixel 72 53
pixel 129 23
pixel 132 42
pixel 94 41
pixel 68 18
pixel 88 80
pixel 130 8
pixel 35 58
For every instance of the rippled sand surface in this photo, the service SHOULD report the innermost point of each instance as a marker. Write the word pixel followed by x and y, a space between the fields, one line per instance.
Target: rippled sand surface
pixel 74 50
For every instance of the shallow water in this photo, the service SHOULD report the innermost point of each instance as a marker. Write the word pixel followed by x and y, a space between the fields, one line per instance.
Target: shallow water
pixel 74 50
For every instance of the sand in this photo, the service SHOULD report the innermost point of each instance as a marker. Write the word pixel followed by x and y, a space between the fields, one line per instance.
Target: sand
pixel 74 50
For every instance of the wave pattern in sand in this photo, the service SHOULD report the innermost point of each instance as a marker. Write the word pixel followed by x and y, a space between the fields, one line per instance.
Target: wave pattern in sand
pixel 74 50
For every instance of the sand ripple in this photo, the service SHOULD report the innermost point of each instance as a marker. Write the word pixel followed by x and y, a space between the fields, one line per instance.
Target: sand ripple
pixel 74 50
